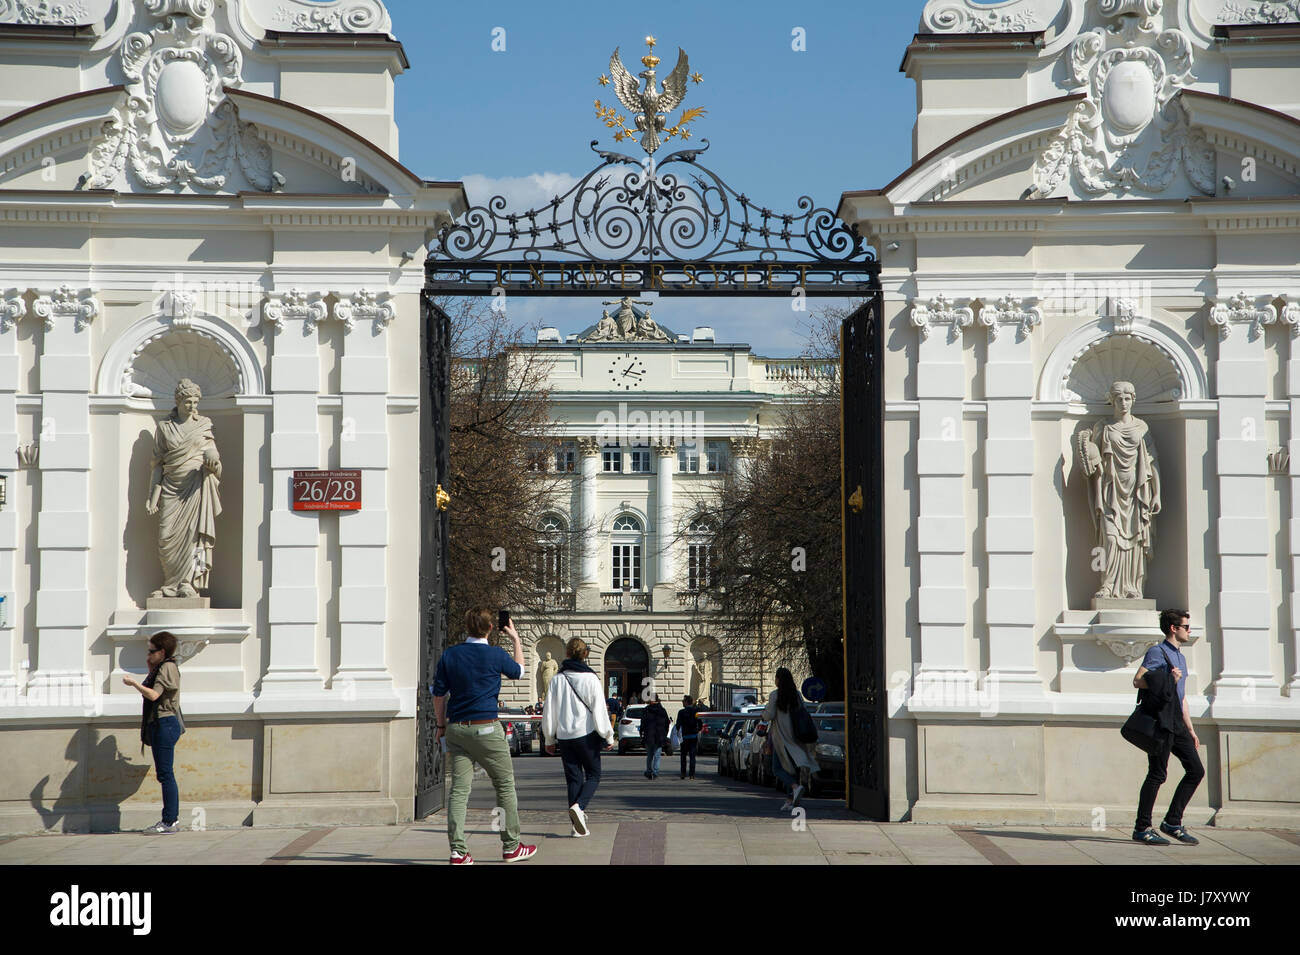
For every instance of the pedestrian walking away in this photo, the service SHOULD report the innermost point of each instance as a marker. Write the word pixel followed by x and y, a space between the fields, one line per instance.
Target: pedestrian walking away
pixel 161 723
pixel 577 723
pixel 1162 678
pixel 793 762
pixel 465 690
pixel 654 732
pixel 688 723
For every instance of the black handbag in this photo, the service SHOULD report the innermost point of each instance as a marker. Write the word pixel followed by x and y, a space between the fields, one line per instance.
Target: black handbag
pixel 801 724
pixel 1141 728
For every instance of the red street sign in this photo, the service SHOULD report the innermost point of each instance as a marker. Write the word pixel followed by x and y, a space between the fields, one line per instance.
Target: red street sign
pixel 327 490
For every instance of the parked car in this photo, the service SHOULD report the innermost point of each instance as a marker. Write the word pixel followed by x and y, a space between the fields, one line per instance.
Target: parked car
pixel 758 770
pixel 741 745
pixel 512 738
pixel 724 740
pixel 629 731
pixel 525 727
pixel 711 724
pixel 829 778
pixel 836 708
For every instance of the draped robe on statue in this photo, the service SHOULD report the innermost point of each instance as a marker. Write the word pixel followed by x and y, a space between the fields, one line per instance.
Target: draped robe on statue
pixel 188 504
pixel 1125 497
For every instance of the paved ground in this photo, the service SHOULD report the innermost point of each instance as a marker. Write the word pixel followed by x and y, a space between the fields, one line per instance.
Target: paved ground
pixel 707 821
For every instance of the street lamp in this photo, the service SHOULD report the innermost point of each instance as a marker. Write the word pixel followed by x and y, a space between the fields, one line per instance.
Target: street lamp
pixel 668 651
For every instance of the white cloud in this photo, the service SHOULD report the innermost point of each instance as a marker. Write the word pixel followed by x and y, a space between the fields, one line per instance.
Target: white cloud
pixel 521 192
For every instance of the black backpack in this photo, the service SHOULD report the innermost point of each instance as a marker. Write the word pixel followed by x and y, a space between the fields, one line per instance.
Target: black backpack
pixel 802 725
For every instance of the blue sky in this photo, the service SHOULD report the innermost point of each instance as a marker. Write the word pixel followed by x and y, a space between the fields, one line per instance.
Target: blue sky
pixel 781 122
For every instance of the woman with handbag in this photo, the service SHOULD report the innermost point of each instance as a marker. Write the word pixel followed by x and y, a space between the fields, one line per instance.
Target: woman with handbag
pixel 161 723
pixel 575 719
pixel 793 761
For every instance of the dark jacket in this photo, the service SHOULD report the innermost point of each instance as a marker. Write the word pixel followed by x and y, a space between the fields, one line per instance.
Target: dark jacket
pixel 654 725
pixel 1160 699
pixel 688 721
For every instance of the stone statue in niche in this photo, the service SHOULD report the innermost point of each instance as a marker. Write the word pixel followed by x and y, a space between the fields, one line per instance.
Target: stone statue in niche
pixel 183 492
pixel 704 676
pixel 546 673
pixel 1119 459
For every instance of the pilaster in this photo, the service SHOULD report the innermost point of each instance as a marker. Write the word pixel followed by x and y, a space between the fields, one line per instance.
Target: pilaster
pixel 1291 321
pixel 12 308
pixel 942 601
pixel 665 586
pixel 1009 523
pixel 63 524
pixel 1241 373
pixel 588 595
pixel 290 318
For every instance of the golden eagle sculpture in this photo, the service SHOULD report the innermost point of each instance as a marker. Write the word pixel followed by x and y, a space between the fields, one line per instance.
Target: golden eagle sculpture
pixel 649 106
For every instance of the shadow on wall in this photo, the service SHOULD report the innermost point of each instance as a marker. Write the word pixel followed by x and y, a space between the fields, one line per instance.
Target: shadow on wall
pixel 91 794
pixel 143 572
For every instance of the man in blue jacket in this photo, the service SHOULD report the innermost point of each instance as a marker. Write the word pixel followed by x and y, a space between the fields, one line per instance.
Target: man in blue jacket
pixel 470 674
pixel 1162 662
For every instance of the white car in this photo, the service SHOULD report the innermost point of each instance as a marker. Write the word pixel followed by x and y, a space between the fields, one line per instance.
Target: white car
pixel 629 731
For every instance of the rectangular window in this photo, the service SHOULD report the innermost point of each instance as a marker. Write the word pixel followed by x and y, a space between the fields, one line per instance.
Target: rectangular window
pixel 536 457
pixel 640 460
pixel 565 458
pixel 699 566
pixel 715 453
pixel 626 564
pixel 612 460
pixel 688 459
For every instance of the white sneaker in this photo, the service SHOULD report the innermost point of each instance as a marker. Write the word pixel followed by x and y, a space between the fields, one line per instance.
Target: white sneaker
pixel 579 820
pixel 794 796
pixel 161 828
pixel 578 835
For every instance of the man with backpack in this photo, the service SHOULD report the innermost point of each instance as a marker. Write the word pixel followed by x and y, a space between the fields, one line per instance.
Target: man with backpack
pixel 1162 663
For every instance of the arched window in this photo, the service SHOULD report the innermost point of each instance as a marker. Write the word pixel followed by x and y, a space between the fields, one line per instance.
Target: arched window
pixel 625 552
pixel 552 560
pixel 699 555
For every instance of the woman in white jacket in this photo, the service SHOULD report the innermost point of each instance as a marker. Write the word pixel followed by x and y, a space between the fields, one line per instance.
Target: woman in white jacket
pixel 575 719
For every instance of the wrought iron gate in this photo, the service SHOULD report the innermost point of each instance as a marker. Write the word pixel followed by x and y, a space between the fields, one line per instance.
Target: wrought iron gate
pixel 435 366
pixel 862 433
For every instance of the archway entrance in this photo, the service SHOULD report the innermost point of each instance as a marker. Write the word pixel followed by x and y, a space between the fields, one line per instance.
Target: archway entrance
pixel 670 226
pixel 627 664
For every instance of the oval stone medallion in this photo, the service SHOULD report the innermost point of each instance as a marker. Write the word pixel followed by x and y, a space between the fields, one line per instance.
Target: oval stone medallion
pixel 1130 96
pixel 182 95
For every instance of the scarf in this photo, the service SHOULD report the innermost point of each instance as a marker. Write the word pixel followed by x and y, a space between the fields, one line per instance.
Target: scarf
pixel 576 666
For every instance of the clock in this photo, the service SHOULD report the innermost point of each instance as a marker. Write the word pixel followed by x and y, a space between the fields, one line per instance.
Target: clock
pixel 626 371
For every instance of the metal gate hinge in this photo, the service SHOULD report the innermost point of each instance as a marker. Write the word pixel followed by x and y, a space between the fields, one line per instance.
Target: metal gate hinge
pixel 855 500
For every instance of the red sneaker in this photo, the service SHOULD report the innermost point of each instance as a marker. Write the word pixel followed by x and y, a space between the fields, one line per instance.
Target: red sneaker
pixel 520 853
pixel 461 858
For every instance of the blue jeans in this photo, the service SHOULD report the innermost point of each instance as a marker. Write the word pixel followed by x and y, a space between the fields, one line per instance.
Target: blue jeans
pixel 652 759
pixel 779 771
pixel 165 735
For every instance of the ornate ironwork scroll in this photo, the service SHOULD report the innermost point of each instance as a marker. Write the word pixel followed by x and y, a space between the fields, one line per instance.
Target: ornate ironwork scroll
pixel 673 226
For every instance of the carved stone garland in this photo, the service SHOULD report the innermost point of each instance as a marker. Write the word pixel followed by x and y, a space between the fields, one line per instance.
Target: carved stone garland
pixel 1129 75
pixel 177 127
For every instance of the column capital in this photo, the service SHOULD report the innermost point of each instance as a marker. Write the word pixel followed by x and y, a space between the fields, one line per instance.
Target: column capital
pixel 361 304
pixel 1009 310
pixel 744 447
pixel 941 310
pixel 665 449
pixel 1241 309
pixel 66 301
pixel 294 303
pixel 588 447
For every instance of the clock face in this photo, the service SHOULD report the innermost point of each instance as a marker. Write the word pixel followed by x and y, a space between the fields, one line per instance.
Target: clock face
pixel 626 371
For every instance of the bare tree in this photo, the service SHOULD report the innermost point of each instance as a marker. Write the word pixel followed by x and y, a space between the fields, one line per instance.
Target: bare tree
pixel 774 578
pixel 503 479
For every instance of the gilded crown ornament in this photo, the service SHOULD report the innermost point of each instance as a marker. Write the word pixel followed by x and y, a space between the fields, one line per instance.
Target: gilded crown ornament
pixel 649 106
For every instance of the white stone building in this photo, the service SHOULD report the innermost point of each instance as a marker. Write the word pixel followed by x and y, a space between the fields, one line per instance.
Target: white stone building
pixel 1101 190
pixel 208 190
pixel 651 424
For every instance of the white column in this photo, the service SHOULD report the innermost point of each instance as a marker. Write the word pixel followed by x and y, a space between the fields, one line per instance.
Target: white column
pixel 665 584
pixel 942 602
pixel 1241 374
pixel 742 457
pixel 363 535
pixel 1009 523
pixel 293 601
pixel 12 308
pixel 63 526
pixel 1291 319
pixel 588 596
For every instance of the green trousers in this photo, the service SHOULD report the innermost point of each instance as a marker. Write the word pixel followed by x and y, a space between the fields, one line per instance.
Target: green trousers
pixel 487 746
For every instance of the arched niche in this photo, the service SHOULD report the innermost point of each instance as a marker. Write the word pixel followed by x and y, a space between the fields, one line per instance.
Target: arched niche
pixel 140 370
pixel 705 661
pixel 547 644
pixel 1161 365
